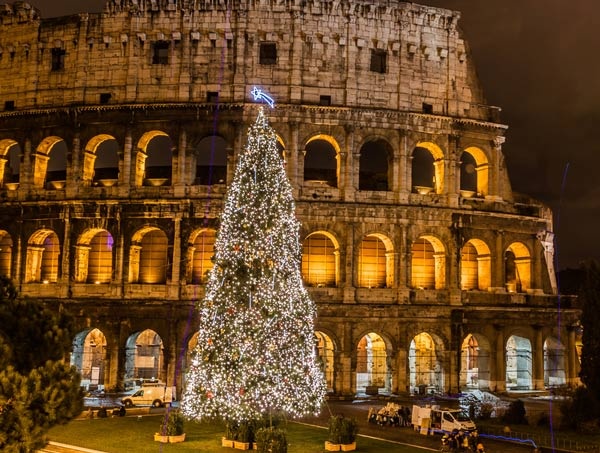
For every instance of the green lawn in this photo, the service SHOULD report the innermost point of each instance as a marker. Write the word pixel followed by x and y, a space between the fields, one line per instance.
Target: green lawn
pixel 130 434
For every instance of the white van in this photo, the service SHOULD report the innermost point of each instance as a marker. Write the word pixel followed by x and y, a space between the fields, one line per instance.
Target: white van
pixel 437 419
pixel 156 395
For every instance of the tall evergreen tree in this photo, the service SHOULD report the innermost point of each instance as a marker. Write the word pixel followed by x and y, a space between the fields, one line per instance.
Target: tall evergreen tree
pixel 590 319
pixel 256 342
pixel 37 388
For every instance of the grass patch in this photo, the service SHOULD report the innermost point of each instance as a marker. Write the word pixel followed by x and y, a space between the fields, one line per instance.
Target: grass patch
pixel 130 434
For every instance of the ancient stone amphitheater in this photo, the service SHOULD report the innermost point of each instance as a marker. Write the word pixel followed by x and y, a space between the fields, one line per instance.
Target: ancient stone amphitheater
pixel 119 133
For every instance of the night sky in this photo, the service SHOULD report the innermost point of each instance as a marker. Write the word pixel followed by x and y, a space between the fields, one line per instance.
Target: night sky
pixel 538 61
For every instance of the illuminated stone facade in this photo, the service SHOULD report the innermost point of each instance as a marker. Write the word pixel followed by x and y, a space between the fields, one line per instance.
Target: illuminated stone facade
pixel 119 132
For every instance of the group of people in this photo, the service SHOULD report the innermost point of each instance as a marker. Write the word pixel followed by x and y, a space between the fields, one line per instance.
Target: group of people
pixel 391 414
pixel 462 441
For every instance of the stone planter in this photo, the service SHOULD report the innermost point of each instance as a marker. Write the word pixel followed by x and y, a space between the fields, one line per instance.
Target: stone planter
pixel 226 442
pixel 331 446
pixel 348 447
pixel 176 439
pixel 241 445
pixel 160 438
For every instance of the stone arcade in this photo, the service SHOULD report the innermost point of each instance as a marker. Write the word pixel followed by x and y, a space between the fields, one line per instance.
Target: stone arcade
pixel 118 136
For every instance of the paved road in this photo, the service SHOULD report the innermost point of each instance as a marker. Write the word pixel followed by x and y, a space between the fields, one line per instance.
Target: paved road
pixel 360 409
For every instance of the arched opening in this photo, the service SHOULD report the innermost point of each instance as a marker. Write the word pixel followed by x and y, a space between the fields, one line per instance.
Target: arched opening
pixel 101 161
pixel 426 374
pixel 554 363
pixel 200 255
pixel 154 159
pixel 468 174
pixel 93 257
pixel 211 161
pixel 371 365
pixel 375 262
pixel 89 358
pixel 148 261
pixel 374 168
pixel 56 170
pixel 325 352
pixel 6 245
pixel 474 172
pixel 100 259
pixel 320 161
pixel 10 163
pixel 43 251
pixel 517 268
pixel 144 356
pixel 428 263
pixel 319 260
pixel 427 168
pixel 518 363
pixel 475 363
pixel 475 266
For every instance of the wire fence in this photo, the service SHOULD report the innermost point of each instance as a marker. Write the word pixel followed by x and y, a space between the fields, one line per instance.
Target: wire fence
pixel 556 443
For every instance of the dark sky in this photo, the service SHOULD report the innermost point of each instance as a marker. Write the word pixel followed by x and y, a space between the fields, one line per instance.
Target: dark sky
pixel 538 61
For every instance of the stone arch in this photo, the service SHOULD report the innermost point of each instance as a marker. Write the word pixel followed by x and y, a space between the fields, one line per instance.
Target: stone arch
pixel 42 261
pixel 9 166
pixel 101 161
pixel 517 268
pixel 6 246
pixel 320 259
pixel 554 363
pixel 375 167
pixel 519 363
pixel 474 172
pixel 321 160
pixel 375 262
pixel 373 371
pixel 211 161
pixel 154 159
pixel 428 263
pixel 94 256
pixel 144 356
pixel 200 251
pixel 148 256
pixel 425 365
pixel 475 266
pixel 427 168
pixel 89 358
pixel 475 362
pixel 326 354
pixel 50 163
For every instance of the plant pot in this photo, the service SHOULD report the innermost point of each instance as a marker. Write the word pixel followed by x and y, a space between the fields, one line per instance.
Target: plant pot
pixel 348 447
pixel 161 438
pixel 241 445
pixel 176 439
pixel 226 442
pixel 329 446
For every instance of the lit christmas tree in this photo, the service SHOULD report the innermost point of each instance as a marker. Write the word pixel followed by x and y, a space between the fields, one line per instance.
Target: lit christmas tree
pixel 256 343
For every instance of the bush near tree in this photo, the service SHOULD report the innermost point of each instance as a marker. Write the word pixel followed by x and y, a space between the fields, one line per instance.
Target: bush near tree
pixel 37 388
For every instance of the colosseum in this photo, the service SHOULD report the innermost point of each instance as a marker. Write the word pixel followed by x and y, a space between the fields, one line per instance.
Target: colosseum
pixel 119 133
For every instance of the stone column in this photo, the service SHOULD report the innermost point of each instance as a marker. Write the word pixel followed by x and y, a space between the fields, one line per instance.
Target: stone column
pixel 348 159
pixel 125 176
pixel 495 176
pixel 292 158
pixel 572 362
pixel 404 177
pixel 179 160
pixel 538 359
pixel 497 267
pixel 176 269
pixel 66 248
pixel 498 371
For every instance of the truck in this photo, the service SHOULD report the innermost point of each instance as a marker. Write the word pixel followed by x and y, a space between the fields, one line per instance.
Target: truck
pixel 154 394
pixel 433 419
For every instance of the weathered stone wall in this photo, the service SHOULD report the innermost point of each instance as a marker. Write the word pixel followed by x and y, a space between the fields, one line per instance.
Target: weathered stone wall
pixel 323 49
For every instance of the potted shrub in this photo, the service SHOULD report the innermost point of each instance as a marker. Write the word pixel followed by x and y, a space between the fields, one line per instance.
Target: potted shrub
pixel 230 434
pixel 342 434
pixel 271 440
pixel 243 436
pixel 175 427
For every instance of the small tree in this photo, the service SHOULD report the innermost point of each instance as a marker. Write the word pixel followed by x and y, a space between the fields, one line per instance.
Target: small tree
pixel 590 319
pixel 37 388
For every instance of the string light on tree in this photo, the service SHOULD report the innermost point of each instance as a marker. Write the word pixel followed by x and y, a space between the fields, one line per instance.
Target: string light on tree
pixel 256 344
